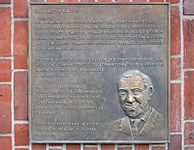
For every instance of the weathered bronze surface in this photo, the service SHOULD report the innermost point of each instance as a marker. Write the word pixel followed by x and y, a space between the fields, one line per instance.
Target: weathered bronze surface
pixel 99 73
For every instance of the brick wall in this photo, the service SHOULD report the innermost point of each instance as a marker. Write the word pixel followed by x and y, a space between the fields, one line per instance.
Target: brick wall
pixel 13 79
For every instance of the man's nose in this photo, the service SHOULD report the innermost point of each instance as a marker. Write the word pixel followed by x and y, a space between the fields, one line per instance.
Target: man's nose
pixel 130 98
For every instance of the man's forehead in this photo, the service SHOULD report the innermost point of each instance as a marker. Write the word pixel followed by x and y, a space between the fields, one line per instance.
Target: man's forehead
pixel 132 82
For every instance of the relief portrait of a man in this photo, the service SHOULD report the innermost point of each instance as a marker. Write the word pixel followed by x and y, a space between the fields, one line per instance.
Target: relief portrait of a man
pixel 135 90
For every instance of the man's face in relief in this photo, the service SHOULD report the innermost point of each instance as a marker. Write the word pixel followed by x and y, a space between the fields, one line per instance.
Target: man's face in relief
pixel 133 96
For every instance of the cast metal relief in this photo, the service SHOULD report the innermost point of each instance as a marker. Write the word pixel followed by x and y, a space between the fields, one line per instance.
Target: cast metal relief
pixel 99 73
pixel 135 90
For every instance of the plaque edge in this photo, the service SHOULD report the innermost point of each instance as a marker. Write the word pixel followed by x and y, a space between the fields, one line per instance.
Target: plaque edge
pixel 29 73
pixel 101 3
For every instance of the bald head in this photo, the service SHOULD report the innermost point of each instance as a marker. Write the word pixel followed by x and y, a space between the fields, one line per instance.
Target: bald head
pixel 135 75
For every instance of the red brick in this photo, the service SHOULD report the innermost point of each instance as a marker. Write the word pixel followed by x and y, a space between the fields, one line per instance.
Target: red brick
pixel 5 1
pixel 20 95
pixel 20 8
pixel 36 1
pixel 55 144
pixel 38 147
pixel 175 107
pixel 175 142
pixel 5 143
pixel 188 7
pixel 90 147
pixel 5 109
pixel 173 1
pixel 188 43
pixel 158 147
pixel 175 68
pixel 156 0
pixel 189 95
pixel 139 0
pixel 53 0
pixel 142 147
pixel 21 149
pixel 107 147
pixel 189 148
pixel 104 0
pixel 175 30
pixel 122 1
pixel 189 133
pixel 87 0
pixel 20 44
pixel 21 134
pixel 124 147
pixel 70 1
pixel 5 32
pixel 55 148
pixel 5 70
pixel 72 147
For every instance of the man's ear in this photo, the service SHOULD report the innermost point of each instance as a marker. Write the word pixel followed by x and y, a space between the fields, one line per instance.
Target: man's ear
pixel 151 90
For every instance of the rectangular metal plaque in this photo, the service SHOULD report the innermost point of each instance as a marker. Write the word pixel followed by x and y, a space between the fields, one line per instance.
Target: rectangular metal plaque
pixel 99 73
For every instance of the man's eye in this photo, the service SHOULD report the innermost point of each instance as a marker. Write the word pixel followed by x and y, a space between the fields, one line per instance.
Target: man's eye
pixel 136 91
pixel 122 93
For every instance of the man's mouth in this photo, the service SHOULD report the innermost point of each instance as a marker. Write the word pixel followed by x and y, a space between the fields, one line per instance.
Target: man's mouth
pixel 129 107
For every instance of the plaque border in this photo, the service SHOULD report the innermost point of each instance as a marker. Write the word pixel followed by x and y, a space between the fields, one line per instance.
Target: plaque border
pixel 105 141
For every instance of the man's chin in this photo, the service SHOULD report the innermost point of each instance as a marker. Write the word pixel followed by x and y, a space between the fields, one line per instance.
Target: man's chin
pixel 132 115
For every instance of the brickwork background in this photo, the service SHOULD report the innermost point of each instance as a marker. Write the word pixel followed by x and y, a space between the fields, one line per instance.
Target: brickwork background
pixel 13 79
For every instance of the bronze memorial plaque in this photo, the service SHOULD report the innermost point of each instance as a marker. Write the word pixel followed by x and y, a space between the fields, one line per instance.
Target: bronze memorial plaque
pixel 99 73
